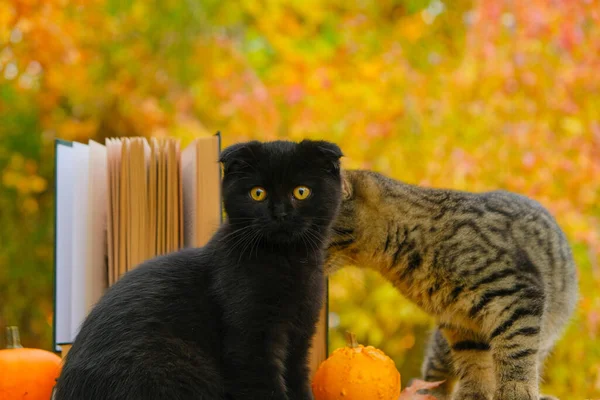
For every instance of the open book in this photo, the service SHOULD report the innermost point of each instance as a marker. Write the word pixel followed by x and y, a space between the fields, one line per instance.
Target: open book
pixel 125 201
pixel 121 203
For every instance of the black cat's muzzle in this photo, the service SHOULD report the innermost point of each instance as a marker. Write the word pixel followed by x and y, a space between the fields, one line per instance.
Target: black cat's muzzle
pixel 286 231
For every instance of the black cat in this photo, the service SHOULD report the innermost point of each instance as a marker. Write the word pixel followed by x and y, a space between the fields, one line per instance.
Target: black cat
pixel 233 319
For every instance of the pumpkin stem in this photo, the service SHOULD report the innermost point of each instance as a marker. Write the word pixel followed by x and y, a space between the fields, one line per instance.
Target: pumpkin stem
pixel 351 340
pixel 13 340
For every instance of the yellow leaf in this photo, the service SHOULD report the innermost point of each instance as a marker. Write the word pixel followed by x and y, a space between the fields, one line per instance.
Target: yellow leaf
pixel 10 179
pixel 17 161
pixel 37 184
pixel 412 28
pixel 30 206
pixel 572 125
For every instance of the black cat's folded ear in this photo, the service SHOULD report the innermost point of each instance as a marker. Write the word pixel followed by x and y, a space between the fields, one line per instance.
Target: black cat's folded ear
pixel 239 154
pixel 326 151
pixel 329 149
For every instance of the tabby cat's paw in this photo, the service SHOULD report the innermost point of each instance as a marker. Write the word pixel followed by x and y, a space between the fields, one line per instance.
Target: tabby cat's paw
pixel 471 396
pixel 438 394
pixel 516 391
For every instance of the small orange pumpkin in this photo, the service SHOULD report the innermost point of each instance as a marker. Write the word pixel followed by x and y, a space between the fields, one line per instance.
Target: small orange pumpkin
pixel 356 372
pixel 26 373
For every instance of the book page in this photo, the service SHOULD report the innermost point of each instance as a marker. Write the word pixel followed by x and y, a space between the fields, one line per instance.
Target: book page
pixel 146 235
pixel 208 184
pixel 79 239
pixel 135 213
pixel 139 205
pixel 180 198
pixel 169 197
pixel 123 199
pixel 96 272
pixel 64 233
pixel 161 208
pixel 173 197
pixel 131 200
pixel 188 176
pixel 117 152
pixel 134 201
pixel 152 196
pixel 109 210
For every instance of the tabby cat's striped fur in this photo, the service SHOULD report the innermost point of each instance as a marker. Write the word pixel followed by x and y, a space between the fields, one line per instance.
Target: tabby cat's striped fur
pixel 494 269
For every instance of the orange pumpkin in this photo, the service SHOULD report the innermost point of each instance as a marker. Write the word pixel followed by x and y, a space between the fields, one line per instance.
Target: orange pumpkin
pixel 356 372
pixel 26 373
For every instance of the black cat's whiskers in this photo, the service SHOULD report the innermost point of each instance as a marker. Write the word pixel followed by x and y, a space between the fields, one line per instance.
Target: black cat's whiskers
pixel 317 235
pixel 313 246
pixel 256 244
pixel 249 242
pixel 235 233
pixel 238 240
pixel 315 241
pixel 306 243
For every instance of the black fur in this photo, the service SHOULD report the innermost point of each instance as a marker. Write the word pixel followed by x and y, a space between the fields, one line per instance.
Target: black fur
pixel 231 320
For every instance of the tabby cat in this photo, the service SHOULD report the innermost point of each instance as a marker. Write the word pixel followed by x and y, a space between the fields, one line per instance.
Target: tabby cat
pixel 493 268
pixel 231 320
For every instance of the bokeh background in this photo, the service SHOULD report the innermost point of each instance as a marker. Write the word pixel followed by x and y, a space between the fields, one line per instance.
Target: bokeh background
pixel 471 95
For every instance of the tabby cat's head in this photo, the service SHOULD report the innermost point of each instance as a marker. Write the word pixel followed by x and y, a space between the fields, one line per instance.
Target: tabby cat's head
pixel 355 227
pixel 282 191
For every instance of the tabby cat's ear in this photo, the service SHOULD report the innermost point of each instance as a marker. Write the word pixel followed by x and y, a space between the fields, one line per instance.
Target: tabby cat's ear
pixel 329 152
pixel 239 154
pixel 347 190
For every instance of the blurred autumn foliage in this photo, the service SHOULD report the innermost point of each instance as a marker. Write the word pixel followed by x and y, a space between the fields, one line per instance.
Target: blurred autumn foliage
pixel 471 95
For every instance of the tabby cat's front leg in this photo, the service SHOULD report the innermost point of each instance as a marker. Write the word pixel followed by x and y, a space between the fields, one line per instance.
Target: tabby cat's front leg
pixel 515 345
pixel 516 370
pixel 472 364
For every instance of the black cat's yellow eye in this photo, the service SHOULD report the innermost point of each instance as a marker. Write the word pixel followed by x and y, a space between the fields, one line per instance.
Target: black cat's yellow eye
pixel 257 193
pixel 301 192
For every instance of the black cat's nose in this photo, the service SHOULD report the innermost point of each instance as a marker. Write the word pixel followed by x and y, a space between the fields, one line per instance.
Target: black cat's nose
pixel 280 215
pixel 279 212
